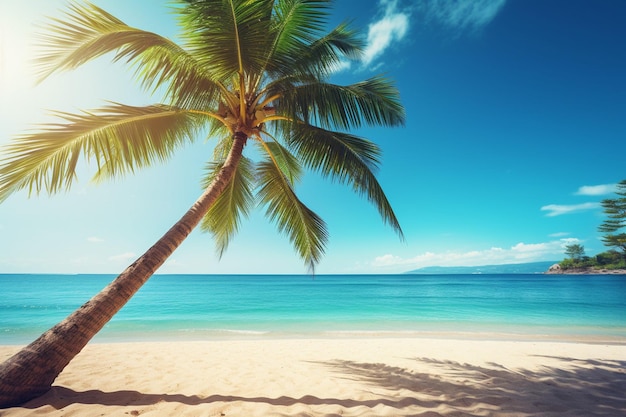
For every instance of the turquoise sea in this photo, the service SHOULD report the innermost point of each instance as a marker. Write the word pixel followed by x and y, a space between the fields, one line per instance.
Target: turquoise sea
pixel 205 307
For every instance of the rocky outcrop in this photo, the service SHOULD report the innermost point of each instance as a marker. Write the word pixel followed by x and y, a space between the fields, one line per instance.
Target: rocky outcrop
pixel 556 269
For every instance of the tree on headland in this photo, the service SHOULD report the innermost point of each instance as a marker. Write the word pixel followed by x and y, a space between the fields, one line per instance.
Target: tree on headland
pixel 615 210
pixel 576 258
pixel 611 260
pixel 575 251
pixel 249 72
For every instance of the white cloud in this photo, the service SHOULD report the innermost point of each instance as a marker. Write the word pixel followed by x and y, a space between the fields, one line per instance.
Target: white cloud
pixel 388 260
pixel 597 189
pixel 559 234
pixel 526 252
pixel 558 209
pixel 126 256
pixel 519 253
pixel 463 14
pixel 94 239
pixel 394 22
pixel 391 27
pixel 342 66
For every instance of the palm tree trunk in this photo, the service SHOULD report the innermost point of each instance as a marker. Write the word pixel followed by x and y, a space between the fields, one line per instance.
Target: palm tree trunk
pixel 31 372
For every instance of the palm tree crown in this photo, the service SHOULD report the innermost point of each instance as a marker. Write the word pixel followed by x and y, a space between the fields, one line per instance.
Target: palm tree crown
pixel 255 69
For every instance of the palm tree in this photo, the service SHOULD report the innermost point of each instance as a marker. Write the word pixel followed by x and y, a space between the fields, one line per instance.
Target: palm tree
pixel 248 72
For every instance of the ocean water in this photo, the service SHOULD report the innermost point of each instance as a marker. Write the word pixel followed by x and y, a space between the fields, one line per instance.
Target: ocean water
pixel 205 307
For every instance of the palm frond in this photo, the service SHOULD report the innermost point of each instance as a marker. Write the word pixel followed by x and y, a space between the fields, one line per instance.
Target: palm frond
pixel 296 25
pixel 374 101
pixel 74 40
pixel 228 37
pixel 284 161
pixel 288 82
pixel 236 201
pixel 222 148
pixel 346 158
pixel 323 56
pixel 88 32
pixel 305 229
pixel 119 138
pixel 298 22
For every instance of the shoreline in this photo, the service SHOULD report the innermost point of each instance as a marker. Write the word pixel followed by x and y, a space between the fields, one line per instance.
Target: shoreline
pixel 564 334
pixel 358 377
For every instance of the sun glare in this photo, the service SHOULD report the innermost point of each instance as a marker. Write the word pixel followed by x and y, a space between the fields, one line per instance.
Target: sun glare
pixel 16 69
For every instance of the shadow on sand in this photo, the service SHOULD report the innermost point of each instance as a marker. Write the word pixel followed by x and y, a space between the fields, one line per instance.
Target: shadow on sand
pixel 581 388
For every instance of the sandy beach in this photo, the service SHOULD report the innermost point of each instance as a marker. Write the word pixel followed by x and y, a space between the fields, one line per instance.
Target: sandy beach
pixel 338 377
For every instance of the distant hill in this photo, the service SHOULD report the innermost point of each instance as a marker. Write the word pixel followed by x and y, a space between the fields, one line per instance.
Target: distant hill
pixel 527 268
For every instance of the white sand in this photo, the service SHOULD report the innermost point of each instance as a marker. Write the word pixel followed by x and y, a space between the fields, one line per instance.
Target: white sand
pixel 338 377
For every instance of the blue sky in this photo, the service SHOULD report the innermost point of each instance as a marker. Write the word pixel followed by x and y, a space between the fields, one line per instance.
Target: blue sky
pixel 516 120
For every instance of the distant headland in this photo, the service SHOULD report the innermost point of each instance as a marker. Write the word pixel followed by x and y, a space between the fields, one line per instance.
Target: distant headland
pixel 545 267
pixel 522 268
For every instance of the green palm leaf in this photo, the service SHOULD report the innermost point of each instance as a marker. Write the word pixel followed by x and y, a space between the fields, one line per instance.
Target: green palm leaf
pixel 88 32
pixel 306 230
pixel 120 138
pixel 347 158
pixel 228 37
pixel 297 22
pixel 284 161
pixel 322 57
pixel 236 201
pixel 374 101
